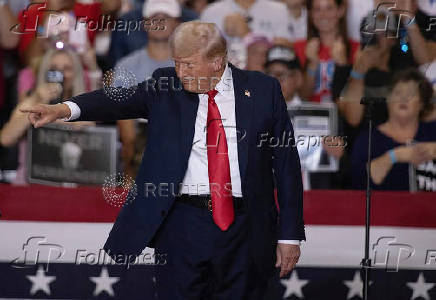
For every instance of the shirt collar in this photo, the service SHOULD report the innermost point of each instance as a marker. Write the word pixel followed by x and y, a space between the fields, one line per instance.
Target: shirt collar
pixel 225 85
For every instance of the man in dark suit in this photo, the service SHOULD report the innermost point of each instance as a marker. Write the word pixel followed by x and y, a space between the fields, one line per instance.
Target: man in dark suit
pixel 219 141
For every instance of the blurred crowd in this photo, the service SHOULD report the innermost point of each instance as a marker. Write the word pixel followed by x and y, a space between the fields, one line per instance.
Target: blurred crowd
pixel 321 51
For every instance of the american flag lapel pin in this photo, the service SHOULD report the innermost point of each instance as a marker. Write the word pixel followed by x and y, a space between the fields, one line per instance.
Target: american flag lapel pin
pixel 247 93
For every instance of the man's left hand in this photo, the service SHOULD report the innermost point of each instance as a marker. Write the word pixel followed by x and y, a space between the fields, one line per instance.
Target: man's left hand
pixel 287 258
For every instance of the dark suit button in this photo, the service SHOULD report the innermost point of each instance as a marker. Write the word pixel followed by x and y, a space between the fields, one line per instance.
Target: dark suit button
pixel 163 213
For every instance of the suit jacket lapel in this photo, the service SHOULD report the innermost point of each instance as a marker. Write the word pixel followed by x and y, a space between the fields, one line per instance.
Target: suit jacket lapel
pixel 188 114
pixel 244 112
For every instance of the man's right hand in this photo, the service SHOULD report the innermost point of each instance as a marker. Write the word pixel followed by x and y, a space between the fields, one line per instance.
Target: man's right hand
pixel 42 114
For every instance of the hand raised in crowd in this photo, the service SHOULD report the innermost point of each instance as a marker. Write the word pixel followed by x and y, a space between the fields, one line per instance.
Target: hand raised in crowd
pixel 416 154
pixel 312 51
pixel 89 59
pixel 235 25
pixel 335 147
pixel 366 59
pixel 338 52
pixel 406 6
pixel 46 92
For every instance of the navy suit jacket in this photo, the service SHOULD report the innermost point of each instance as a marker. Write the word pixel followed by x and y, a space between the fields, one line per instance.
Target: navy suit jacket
pixel 265 150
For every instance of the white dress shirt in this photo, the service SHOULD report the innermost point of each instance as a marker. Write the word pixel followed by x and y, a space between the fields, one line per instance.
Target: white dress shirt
pixel 74 109
pixel 196 180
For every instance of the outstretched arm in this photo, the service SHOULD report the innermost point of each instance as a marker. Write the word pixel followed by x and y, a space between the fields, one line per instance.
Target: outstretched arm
pixel 98 106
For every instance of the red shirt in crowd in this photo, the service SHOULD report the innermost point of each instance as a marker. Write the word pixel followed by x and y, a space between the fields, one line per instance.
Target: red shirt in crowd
pixel 326 69
pixel 32 17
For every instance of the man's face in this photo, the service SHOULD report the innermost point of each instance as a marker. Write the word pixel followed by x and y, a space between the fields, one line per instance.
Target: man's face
pixel 404 101
pixel 290 79
pixel 256 57
pixel 164 26
pixel 196 72
pixel 326 15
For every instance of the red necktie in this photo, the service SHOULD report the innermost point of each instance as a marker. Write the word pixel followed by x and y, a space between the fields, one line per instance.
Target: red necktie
pixel 219 167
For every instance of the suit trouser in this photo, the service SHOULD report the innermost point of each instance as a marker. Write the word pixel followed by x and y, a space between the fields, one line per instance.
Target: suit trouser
pixel 203 262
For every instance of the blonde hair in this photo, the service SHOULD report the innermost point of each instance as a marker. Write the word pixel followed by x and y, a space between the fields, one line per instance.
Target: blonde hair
pixel 78 85
pixel 198 37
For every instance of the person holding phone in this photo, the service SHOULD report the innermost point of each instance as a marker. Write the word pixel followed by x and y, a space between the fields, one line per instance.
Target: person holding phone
pixel 60 75
pixel 381 55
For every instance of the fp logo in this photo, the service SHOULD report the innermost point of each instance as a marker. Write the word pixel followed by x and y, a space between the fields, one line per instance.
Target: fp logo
pixel 36 250
pixel 32 19
pixel 389 253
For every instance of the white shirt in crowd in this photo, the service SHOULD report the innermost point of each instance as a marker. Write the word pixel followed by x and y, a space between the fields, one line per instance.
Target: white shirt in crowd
pixel 298 27
pixel 356 11
pixel 268 18
pixel 427 6
pixel 429 70
pixel 295 101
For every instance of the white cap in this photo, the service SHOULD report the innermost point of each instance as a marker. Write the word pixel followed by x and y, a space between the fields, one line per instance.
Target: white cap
pixel 281 53
pixel 169 7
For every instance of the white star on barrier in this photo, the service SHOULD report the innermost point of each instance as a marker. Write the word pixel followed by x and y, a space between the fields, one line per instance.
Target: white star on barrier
pixel 40 281
pixel 104 283
pixel 293 285
pixel 355 286
pixel 420 288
